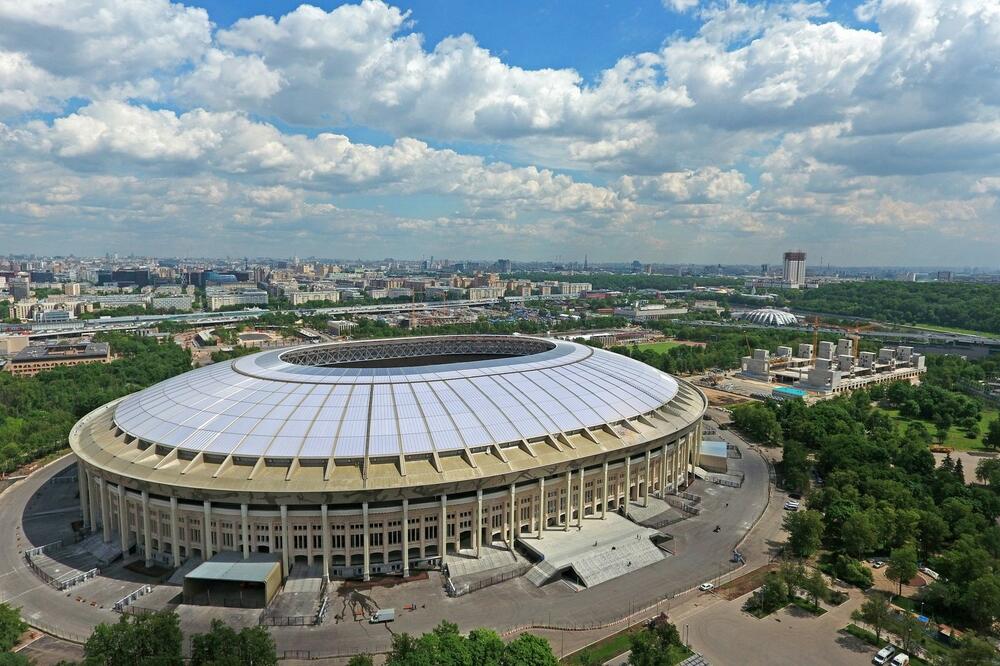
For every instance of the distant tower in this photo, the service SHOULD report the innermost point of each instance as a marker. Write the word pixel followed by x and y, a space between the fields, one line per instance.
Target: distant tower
pixel 585 263
pixel 794 273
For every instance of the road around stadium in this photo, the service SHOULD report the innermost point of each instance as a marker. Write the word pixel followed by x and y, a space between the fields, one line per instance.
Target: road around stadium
pixel 33 512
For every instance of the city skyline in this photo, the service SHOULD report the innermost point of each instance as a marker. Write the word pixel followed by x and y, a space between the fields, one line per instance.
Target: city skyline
pixel 672 132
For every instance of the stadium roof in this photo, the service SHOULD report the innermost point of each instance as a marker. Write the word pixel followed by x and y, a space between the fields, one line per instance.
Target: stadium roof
pixel 770 317
pixel 390 398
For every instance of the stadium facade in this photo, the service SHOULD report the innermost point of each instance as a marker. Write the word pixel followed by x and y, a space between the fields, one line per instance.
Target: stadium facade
pixel 377 457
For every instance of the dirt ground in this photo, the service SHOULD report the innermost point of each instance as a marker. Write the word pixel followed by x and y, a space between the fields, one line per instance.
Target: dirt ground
pixel 737 587
pixel 717 398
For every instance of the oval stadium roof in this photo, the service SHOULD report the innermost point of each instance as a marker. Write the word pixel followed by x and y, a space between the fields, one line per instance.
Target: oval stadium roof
pixel 386 398
pixel 770 317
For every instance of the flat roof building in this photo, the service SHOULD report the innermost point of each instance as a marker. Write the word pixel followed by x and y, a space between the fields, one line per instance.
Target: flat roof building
pixel 31 360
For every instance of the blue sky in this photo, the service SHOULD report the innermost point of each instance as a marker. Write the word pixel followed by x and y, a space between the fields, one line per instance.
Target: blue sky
pixel 673 131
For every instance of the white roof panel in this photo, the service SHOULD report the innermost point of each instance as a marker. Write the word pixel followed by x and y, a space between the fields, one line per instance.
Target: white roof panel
pixel 263 404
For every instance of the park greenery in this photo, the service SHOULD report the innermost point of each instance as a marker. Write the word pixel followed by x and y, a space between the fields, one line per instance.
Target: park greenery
pixel 966 306
pixel 659 644
pixel 882 495
pixel 792 583
pixel 37 413
pixel 157 639
pixel 11 627
pixel 446 646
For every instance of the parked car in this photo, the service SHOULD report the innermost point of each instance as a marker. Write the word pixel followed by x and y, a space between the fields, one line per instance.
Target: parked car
pixel 883 655
pixel 878 564
pixel 930 572
pixel 791 505
pixel 900 660
pixel 706 587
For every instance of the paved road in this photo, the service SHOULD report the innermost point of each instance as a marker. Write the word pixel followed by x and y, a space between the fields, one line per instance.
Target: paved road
pixel 700 554
pixel 41 605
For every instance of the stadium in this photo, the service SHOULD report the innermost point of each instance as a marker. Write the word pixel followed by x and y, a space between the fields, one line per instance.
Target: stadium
pixel 378 457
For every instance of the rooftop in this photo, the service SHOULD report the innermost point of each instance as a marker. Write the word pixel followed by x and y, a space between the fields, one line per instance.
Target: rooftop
pixel 62 351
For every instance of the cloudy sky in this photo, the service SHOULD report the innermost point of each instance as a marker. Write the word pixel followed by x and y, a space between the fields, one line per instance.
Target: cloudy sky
pixel 673 131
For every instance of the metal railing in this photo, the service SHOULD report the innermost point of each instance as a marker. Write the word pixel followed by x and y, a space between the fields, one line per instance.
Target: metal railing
pixel 461 590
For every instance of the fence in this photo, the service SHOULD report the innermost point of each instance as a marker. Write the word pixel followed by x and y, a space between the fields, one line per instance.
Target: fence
pixel 733 451
pixel 286 620
pixel 62 583
pixel 466 588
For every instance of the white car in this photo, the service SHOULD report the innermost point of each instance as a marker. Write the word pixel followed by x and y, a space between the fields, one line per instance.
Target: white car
pixel 930 572
pixel 883 655
pixel 901 660
pixel 706 587
pixel 791 505
pixel 878 564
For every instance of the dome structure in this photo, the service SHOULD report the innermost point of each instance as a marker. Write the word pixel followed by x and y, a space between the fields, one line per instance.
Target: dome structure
pixel 323 451
pixel 770 317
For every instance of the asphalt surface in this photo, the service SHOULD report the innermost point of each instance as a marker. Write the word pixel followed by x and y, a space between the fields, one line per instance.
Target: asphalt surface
pixel 699 554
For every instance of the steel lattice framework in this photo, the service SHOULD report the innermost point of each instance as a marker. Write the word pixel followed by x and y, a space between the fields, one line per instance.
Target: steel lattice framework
pixel 331 355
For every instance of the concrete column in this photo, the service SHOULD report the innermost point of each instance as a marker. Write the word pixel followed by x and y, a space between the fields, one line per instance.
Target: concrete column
pixel 579 508
pixel 673 462
pixel 175 546
pixel 285 536
pixel 628 482
pixel 406 539
pixel 324 513
pixel 245 529
pixel 122 518
pixel 477 533
pixel 81 480
pixel 91 502
pixel 102 488
pixel 543 508
pixel 513 517
pixel 663 471
pixel 366 573
pixel 443 527
pixel 604 489
pixel 569 499
pixel 206 531
pixel 645 485
pixel 147 538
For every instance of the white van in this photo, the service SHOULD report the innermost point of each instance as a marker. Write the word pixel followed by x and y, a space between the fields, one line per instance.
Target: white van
pixel 383 615
pixel 900 660
pixel 882 656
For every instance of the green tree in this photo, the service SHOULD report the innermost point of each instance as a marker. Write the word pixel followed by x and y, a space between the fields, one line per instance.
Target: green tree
pixel 529 650
pixel 805 532
pixel 658 645
pixel 486 647
pixel 361 660
pixel 858 534
pixel 992 437
pixel 973 651
pixel 982 600
pixel 153 638
pixel 988 472
pixel 902 565
pixel 874 612
pixel 224 646
pixel 815 586
pixel 15 659
pixel 11 627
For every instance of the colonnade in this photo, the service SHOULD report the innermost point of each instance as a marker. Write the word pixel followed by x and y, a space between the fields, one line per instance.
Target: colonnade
pixel 493 516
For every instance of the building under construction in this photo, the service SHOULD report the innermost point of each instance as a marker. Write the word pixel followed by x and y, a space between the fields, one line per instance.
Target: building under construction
pixel 834 368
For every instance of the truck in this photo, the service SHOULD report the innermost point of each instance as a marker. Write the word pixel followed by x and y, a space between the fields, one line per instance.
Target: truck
pixel 383 615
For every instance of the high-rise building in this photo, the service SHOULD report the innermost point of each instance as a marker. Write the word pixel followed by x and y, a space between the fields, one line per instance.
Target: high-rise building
pixel 20 287
pixel 794 273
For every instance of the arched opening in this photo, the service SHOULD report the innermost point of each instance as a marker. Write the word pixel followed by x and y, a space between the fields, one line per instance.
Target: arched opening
pixel 357 560
pixel 465 539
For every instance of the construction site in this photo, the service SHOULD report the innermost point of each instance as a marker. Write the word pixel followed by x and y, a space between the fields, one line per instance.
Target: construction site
pixel 827 368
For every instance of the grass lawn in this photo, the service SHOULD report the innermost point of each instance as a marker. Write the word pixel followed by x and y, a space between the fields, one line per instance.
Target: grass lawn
pixel 952 329
pixel 956 436
pixel 659 347
pixel 614 645
pixel 603 650
pixel 807 606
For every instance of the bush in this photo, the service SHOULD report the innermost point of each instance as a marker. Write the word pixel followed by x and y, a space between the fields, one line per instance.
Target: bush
pixel 851 571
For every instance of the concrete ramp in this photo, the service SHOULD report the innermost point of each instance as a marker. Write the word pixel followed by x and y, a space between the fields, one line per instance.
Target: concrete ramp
pixel 598 551
pixel 177 577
